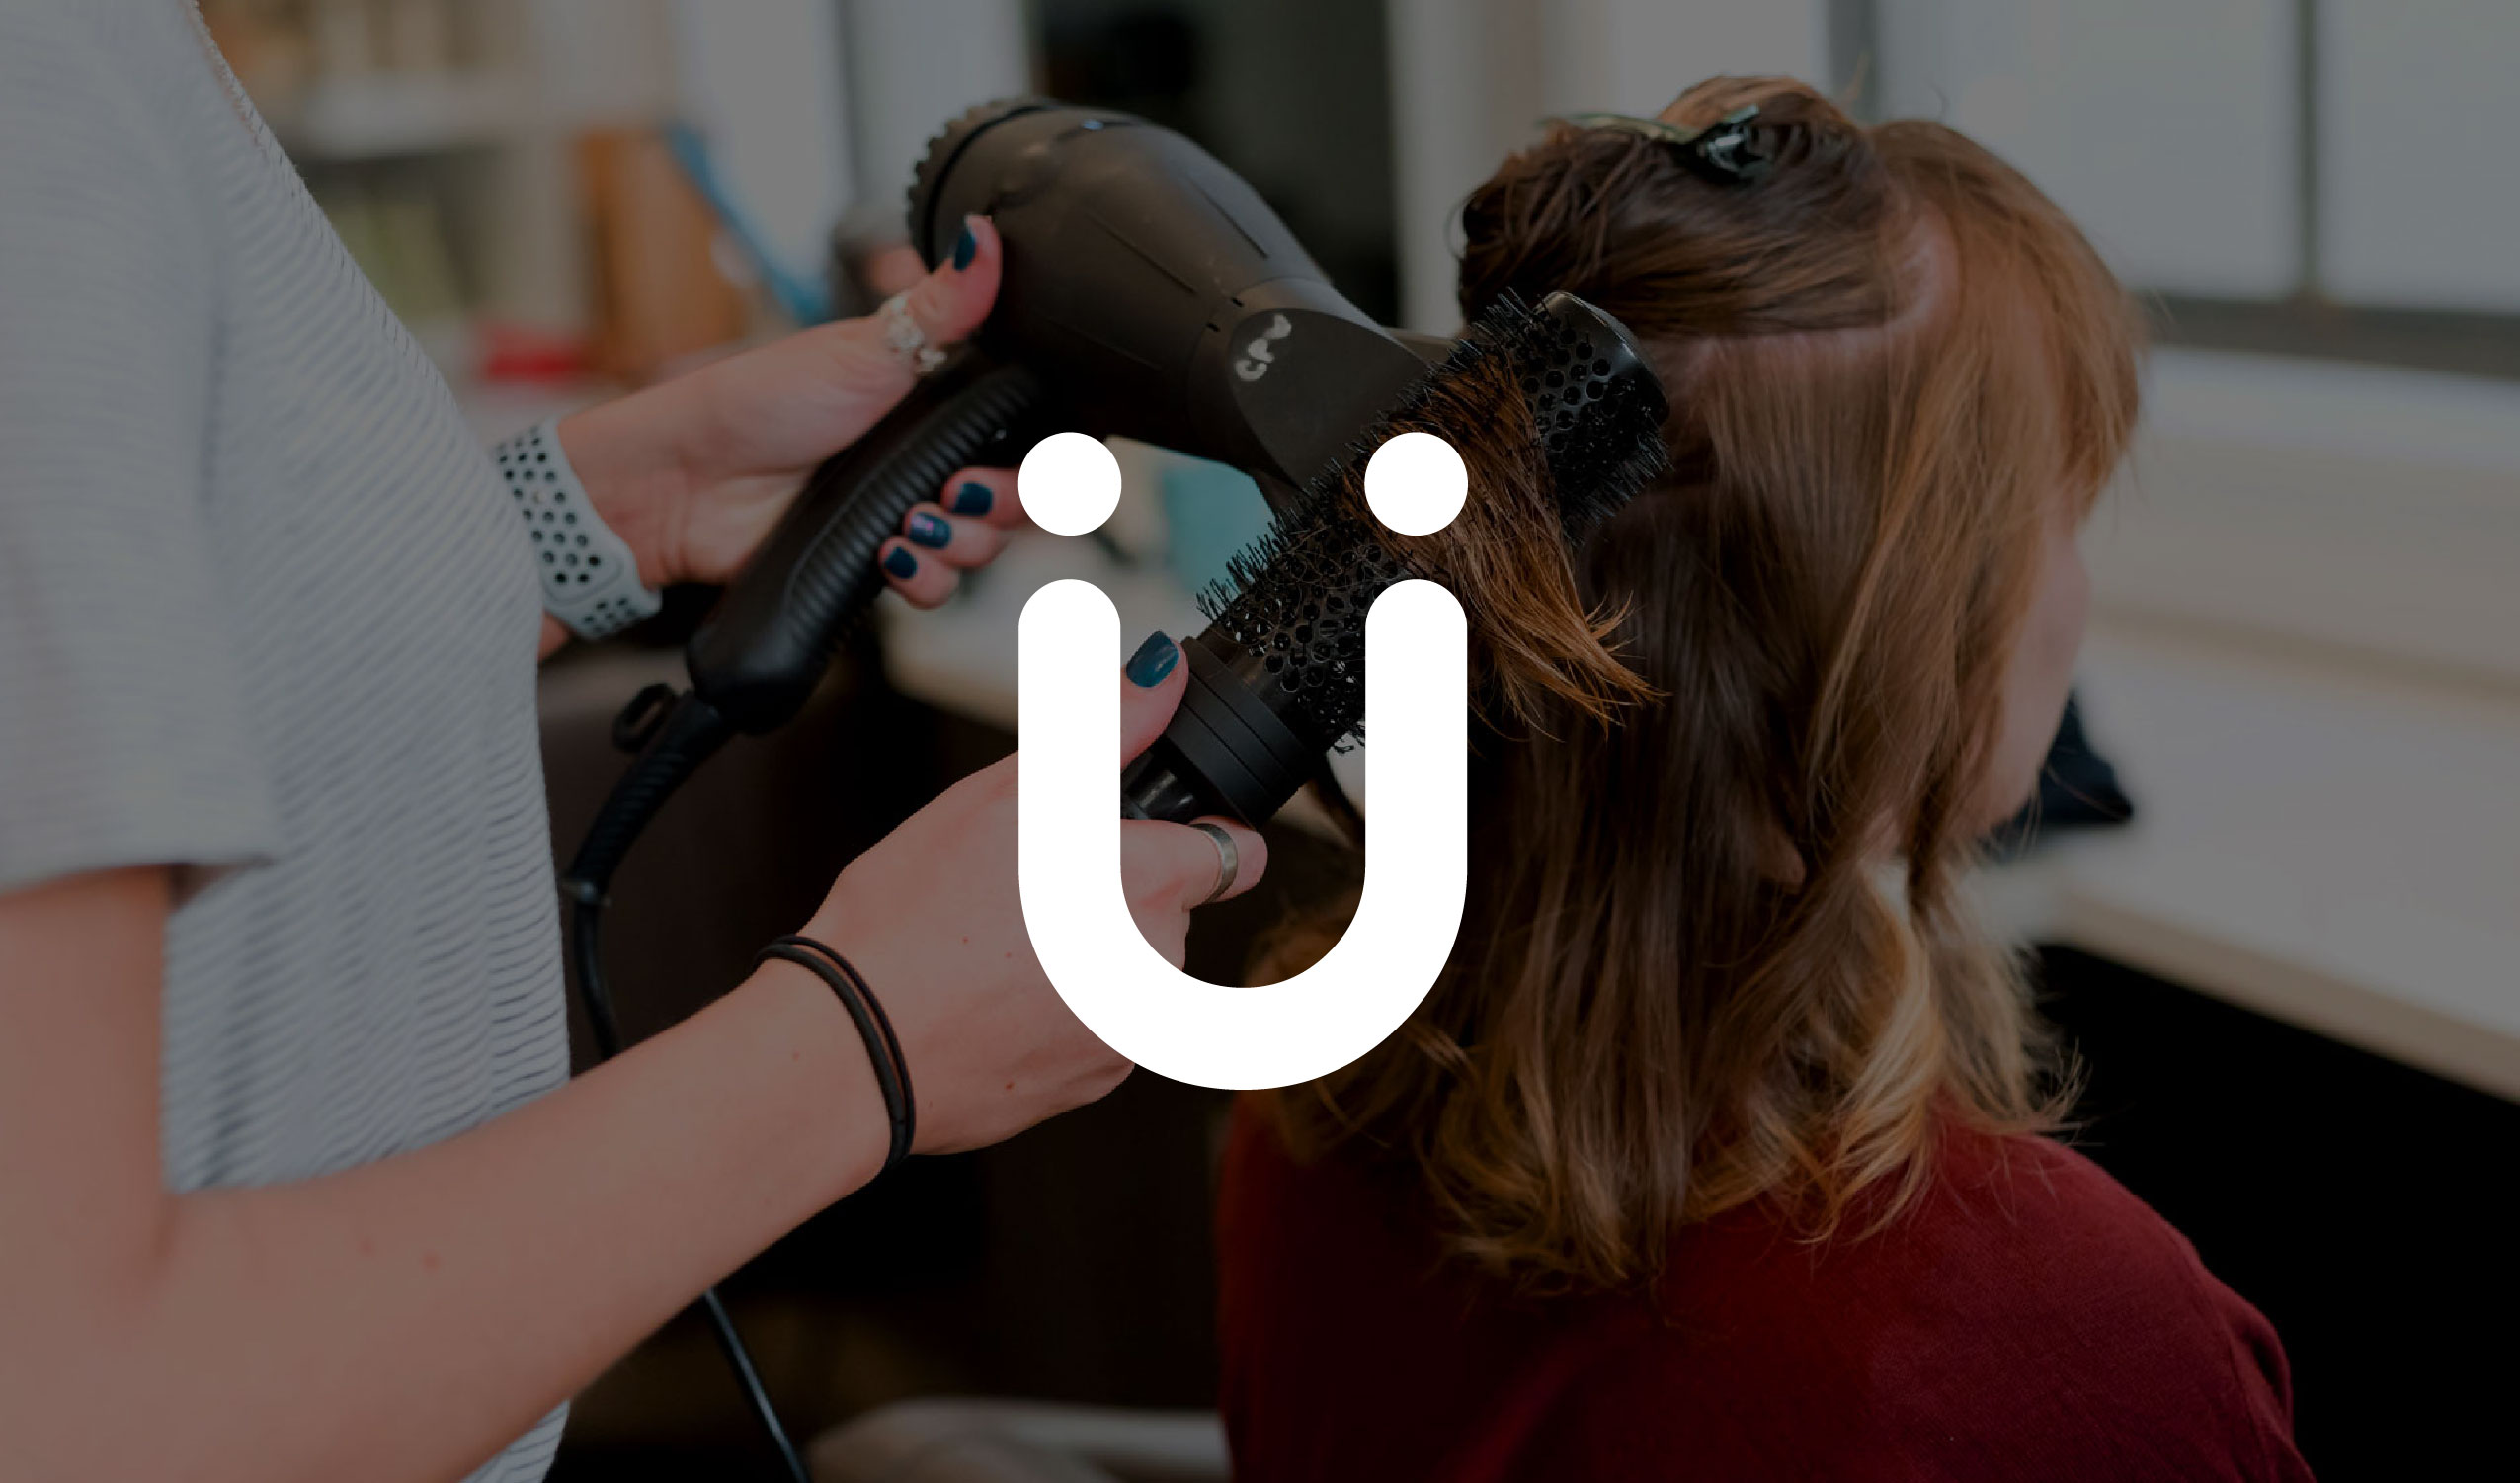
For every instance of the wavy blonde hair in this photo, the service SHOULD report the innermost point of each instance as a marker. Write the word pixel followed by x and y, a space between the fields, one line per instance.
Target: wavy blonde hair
pixel 1714 953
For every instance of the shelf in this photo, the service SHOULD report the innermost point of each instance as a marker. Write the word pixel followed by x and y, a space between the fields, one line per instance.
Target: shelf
pixel 2334 846
pixel 2354 509
pixel 389 115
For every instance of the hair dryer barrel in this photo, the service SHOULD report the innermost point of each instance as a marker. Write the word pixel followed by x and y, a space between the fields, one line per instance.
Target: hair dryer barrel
pixel 1162 294
pixel 1147 292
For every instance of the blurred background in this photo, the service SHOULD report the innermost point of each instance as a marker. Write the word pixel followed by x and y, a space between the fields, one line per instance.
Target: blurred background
pixel 2294 977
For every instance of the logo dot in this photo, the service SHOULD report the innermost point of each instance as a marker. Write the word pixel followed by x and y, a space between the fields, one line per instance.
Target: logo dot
pixel 1416 483
pixel 1069 483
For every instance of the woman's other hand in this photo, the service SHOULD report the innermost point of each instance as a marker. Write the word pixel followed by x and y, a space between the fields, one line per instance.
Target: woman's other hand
pixel 694 471
pixel 933 917
pixel 964 526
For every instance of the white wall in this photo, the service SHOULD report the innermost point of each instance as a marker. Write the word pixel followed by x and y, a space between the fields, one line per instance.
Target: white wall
pixel 2360 510
pixel 1460 101
pixel 761 80
pixel 913 65
pixel 1633 56
pixel 2166 128
pixel 2420 182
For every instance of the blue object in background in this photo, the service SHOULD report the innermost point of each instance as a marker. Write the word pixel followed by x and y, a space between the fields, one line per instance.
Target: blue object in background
pixel 800 297
pixel 1211 512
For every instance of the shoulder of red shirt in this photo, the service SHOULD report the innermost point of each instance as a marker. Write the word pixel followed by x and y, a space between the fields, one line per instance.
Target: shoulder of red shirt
pixel 2027 1316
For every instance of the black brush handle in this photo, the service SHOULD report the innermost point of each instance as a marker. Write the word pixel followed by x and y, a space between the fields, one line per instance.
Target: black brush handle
pixel 759 655
pixel 1228 751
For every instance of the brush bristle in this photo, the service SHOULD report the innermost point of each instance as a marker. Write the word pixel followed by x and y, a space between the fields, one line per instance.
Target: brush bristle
pixel 1597 407
pixel 1560 421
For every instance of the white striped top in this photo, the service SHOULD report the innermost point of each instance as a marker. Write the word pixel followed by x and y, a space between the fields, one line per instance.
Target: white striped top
pixel 265 616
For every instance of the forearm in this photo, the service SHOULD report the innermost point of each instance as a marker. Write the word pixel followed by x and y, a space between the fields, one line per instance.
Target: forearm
pixel 408 1318
pixel 693 472
pixel 625 453
pixel 630 455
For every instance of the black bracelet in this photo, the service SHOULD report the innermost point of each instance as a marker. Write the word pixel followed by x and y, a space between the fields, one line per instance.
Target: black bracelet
pixel 875 1026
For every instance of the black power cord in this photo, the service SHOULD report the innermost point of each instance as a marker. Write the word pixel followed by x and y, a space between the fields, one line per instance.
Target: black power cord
pixel 671 745
pixel 586 954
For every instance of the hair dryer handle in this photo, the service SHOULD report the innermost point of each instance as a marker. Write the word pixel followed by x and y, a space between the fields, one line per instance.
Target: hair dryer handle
pixel 763 651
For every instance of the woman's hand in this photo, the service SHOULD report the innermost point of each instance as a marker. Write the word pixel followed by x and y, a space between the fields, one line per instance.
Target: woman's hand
pixel 694 471
pixel 940 542
pixel 933 920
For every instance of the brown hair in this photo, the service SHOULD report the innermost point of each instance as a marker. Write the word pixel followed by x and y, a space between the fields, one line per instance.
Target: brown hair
pixel 1713 952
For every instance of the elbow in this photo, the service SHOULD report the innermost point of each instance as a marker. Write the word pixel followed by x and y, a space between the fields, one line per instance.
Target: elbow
pixel 88 1356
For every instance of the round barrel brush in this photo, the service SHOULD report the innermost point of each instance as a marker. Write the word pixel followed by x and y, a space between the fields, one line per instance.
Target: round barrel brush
pixel 1559 419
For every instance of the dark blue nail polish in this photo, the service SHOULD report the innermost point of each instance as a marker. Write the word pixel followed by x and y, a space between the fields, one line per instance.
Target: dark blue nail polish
pixel 965 248
pixel 901 564
pixel 930 531
pixel 974 499
pixel 1153 661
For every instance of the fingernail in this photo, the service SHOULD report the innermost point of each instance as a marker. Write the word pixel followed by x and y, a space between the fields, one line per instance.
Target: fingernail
pixel 974 499
pixel 901 563
pixel 965 247
pixel 930 531
pixel 1153 661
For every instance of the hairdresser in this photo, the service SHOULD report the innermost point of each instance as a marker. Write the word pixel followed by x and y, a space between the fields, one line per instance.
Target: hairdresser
pixel 292 1181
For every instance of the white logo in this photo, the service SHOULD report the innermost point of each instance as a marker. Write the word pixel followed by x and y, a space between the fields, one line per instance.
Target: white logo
pixel 1416 778
pixel 1257 356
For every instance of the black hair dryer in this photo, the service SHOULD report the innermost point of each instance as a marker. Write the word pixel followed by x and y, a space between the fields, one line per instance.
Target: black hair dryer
pixel 1149 292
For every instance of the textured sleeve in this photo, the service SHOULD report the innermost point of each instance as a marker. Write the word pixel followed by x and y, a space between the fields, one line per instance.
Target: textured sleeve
pixel 123 739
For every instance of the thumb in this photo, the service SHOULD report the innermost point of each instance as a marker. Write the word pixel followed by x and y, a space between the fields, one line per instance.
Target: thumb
pixel 1154 680
pixel 954 298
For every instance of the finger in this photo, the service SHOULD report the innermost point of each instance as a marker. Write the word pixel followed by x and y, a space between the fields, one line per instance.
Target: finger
pixel 954 541
pixel 892 270
pixel 1176 865
pixel 984 494
pixel 1251 856
pixel 916 574
pixel 1150 691
pixel 952 300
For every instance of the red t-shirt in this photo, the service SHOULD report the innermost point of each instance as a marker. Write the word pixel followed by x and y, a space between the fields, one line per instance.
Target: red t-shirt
pixel 2029 1319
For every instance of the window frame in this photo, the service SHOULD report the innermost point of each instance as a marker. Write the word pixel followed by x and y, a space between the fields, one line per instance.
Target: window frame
pixel 2306 322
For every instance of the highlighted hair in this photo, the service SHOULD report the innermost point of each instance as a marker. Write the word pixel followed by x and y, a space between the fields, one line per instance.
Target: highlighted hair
pixel 1713 952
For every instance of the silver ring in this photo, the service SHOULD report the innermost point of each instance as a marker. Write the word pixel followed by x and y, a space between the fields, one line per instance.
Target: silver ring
pixel 905 338
pixel 1229 859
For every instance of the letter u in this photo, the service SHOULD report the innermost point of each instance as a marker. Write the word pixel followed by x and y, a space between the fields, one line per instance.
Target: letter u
pixel 1417 860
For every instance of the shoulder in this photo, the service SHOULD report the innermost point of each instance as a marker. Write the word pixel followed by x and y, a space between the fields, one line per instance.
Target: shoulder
pixel 2027 1318
pixel 102 107
pixel 2028 1306
pixel 2044 1218
pixel 2014 1237
pixel 2046 1240
pixel 92 55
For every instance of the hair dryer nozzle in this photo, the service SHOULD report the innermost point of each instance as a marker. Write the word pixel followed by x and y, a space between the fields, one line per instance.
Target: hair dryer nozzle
pixel 1171 303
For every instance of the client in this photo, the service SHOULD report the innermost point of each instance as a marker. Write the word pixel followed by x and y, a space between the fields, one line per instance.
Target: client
pixel 1718 1151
